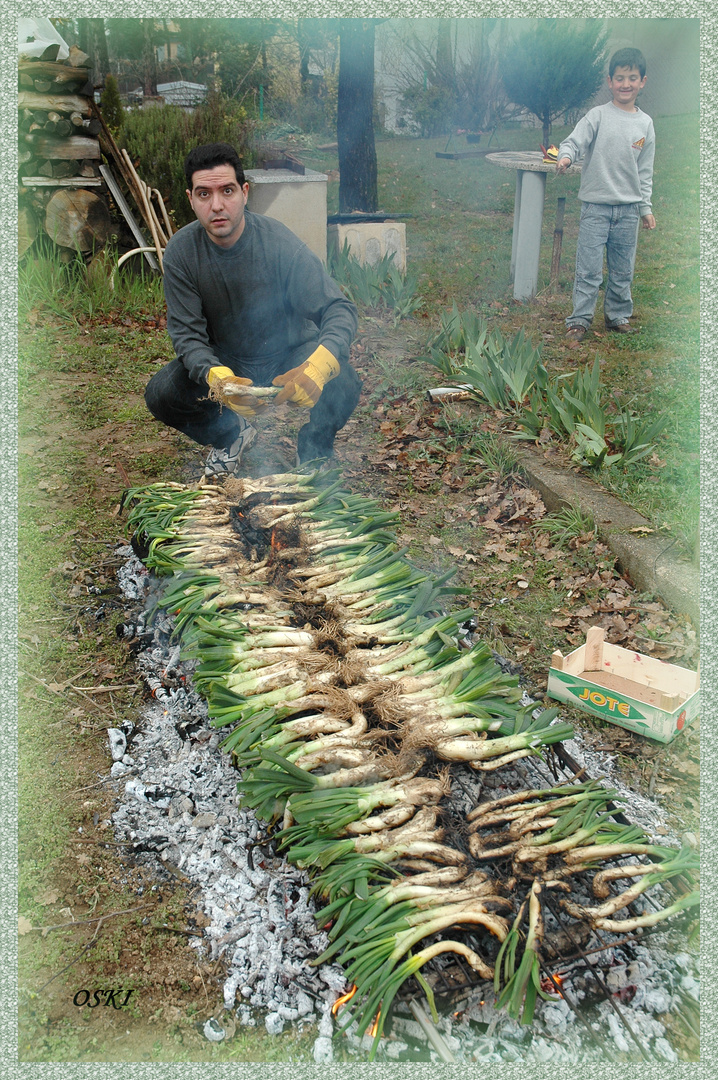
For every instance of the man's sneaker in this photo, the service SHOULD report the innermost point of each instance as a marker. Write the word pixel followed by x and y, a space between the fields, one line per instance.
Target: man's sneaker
pixel 622 328
pixel 576 333
pixel 225 462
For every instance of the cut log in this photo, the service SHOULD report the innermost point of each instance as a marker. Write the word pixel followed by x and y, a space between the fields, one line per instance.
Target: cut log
pixel 61 169
pixel 77 121
pixel 77 57
pixel 63 103
pixel 92 126
pixel 27 229
pixel 62 128
pixel 59 74
pixel 25 81
pixel 42 86
pixel 76 146
pixel 78 219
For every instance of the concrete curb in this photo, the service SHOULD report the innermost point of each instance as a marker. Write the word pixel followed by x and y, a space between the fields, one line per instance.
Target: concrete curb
pixel 652 562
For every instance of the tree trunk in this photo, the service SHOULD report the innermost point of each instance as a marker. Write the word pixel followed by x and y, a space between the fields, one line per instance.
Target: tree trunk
pixel 149 60
pixel 355 129
pixel 94 42
pixel 444 56
pixel 546 129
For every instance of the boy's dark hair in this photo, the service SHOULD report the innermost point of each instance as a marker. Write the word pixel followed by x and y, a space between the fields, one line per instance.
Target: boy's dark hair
pixel 630 58
pixel 209 157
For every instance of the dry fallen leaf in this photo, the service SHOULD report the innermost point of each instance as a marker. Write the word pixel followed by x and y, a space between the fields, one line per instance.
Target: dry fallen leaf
pixel 24 926
pixel 49 896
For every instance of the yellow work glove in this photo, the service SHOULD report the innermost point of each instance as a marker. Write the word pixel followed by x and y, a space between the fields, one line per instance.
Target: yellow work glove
pixel 226 388
pixel 304 384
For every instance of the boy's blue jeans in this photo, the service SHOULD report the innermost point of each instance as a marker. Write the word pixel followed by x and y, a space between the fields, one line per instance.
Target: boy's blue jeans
pixel 614 228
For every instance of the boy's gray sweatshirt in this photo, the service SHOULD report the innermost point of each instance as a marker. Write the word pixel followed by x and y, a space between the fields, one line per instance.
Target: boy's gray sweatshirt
pixel 254 305
pixel 617 149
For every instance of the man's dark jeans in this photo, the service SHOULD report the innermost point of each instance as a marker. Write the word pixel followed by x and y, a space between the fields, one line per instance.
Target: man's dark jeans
pixel 175 400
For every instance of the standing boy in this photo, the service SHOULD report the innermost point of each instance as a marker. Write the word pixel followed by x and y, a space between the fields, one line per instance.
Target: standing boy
pixel 617 143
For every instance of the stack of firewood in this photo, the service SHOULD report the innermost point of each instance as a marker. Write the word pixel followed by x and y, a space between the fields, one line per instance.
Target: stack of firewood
pixel 58 134
pixel 59 155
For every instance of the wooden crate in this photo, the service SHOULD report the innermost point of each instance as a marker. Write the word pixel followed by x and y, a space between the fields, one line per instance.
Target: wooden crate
pixel 637 692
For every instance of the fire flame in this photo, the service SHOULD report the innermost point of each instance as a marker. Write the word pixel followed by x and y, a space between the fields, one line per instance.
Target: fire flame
pixel 343 1000
pixel 275 541
pixel 552 985
pixel 375 1025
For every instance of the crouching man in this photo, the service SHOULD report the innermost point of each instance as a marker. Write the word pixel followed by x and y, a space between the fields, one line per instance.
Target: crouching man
pixel 248 304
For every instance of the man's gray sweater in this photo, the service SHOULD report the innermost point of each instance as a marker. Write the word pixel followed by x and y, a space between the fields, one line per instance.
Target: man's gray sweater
pixel 617 149
pixel 251 306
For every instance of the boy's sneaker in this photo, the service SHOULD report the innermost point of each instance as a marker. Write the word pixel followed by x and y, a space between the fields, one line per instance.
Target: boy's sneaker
pixel 622 328
pixel 576 333
pixel 225 462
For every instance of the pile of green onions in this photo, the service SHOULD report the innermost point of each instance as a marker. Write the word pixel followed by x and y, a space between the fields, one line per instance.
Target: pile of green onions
pixel 341 685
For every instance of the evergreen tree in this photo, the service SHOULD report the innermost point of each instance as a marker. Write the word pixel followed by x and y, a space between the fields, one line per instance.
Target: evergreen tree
pixel 554 65
pixel 111 105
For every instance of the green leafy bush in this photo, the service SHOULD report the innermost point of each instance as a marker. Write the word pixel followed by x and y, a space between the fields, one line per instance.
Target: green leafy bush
pixel 160 138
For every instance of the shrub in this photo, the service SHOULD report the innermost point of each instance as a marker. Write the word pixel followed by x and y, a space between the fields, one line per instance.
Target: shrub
pixel 431 109
pixel 111 105
pixel 160 138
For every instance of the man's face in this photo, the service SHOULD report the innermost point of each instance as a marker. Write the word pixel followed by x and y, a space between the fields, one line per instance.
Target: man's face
pixel 625 84
pixel 219 200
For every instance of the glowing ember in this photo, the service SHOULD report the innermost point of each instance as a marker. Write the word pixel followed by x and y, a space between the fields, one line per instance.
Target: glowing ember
pixel 375 1025
pixel 552 984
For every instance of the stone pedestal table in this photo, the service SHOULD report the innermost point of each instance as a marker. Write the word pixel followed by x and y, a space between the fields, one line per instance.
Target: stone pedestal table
pixel 531 172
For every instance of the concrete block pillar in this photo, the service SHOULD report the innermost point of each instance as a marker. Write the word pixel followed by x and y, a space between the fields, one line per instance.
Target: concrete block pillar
pixel 298 201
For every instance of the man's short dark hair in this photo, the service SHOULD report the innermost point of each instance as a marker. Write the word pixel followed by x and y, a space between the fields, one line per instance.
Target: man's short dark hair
pixel 630 58
pixel 209 157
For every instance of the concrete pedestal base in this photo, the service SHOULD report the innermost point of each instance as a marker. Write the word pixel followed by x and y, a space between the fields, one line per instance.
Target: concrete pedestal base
pixel 369 241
